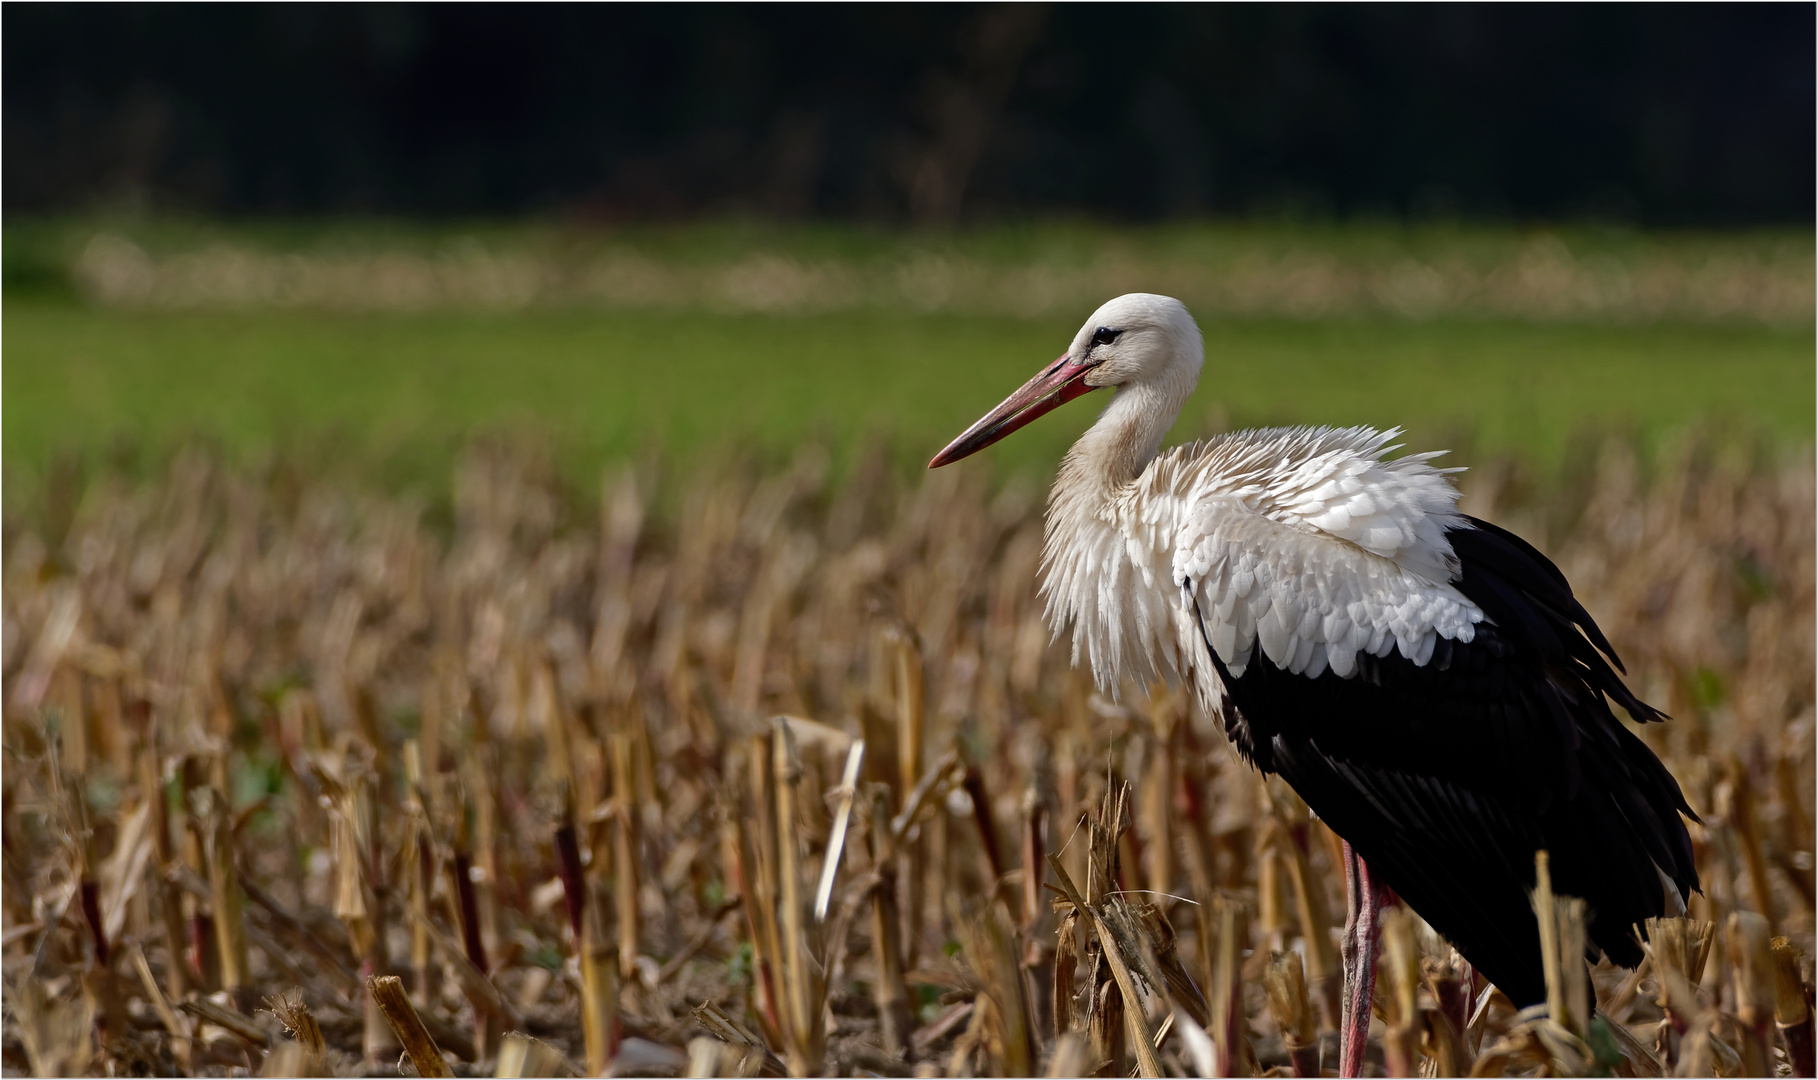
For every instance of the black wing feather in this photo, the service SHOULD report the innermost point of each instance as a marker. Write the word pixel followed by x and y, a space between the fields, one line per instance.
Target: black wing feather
pixel 1446 778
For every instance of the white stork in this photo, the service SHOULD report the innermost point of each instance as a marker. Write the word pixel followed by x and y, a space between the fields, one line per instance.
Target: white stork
pixel 1424 680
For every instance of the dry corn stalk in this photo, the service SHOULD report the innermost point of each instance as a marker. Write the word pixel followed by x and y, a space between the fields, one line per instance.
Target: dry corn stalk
pixel 910 720
pixel 425 1056
pixel 599 989
pixel 1678 949
pixel 419 878
pixel 743 848
pixel 1792 1007
pixel 625 859
pixel 173 1025
pixel 300 1024
pixel 1747 831
pixel 1562 950
pixel 1165 948
pixel 1285 983
pixel 1446 1022
pixel 1107 1029
pixel 753 1057
pixel 993 958
pixel 1064 1004
pixel 359 900
pixel 1400 964
pixel 1310 904
pixel 1230 925
pixel 1752 961
pixel 170 898
pixel 803 990
pixel 1136 1025
pixel 212 818
pixel 234 1022
pixel 836 843
pixel 888 988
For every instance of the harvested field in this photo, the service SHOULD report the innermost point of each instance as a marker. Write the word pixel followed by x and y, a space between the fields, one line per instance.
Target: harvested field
pixel 735 774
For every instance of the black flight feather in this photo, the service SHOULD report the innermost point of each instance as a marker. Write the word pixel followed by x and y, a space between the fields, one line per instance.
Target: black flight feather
pixel 1447 777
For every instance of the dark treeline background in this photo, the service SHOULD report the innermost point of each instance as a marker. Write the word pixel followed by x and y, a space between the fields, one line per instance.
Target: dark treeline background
pixel 1654 114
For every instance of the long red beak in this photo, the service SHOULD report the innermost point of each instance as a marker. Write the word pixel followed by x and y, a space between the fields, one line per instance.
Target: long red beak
pixel 1052 387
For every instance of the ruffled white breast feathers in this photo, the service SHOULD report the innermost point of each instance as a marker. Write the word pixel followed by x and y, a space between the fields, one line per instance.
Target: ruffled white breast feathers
pixel 1113 587
pixel 1301 542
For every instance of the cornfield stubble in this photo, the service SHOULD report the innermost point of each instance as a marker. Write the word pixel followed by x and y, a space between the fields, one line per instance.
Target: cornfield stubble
pixel 570 763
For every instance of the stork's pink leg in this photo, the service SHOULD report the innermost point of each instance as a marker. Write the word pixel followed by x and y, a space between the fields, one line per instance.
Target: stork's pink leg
pixel 1363 903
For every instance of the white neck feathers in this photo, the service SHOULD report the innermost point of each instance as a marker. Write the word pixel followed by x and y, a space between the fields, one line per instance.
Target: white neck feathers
pixel 1094 576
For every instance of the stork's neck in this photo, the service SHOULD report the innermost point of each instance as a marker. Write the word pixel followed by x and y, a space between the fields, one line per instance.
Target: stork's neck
pixel 1088 540
pixel 1114 451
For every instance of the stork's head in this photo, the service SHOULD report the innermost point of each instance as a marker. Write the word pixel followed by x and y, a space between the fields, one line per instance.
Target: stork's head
pixel 1136 340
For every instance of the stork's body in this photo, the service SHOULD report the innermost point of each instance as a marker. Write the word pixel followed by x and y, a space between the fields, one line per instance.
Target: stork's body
pixel 1425 681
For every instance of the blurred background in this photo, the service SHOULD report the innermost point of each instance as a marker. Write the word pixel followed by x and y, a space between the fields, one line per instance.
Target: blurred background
pixel 438 440
pixel 927 115
pixel 629 228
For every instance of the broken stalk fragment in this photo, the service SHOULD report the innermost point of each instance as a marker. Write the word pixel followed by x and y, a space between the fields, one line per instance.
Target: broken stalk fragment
pixel 1792 1007
pixel 394 1003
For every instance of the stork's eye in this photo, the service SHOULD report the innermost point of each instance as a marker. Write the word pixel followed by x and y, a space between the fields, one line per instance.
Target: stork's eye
pixel 1104 335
